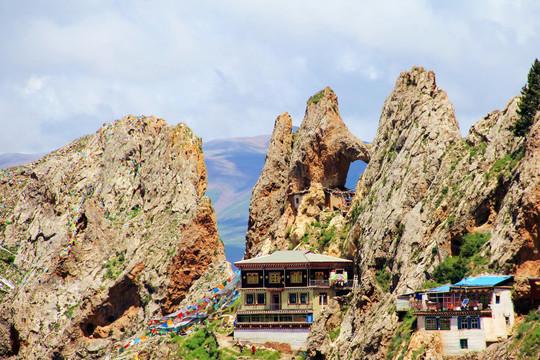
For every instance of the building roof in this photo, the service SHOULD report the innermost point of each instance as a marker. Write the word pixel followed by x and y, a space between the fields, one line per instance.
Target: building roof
pixel 292 256
pixel 444 288
pixel 481 281
pixel 484 281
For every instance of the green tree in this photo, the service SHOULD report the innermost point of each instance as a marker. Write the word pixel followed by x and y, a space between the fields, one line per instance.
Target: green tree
pixel 530 101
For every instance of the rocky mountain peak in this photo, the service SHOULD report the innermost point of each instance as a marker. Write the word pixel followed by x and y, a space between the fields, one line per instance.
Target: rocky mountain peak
pixel 108 232
pixel 323 146
pixel 316 157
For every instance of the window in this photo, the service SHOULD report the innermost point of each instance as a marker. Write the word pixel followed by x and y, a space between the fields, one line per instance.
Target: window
pixel 463 343
pixel 444 324
pixel 292 298
pixel 261 298
pixel 249 299
pixel 475 323
pixel 252 278
pixel 274 278
pixel 304 298
pixel 319 275
pixel 431 324
pixel 497 299
pixel 323 299
pixel 507 320
pixel 468 322
pixel 296 277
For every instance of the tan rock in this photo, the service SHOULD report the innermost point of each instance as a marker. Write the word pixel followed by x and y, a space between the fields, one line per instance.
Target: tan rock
pixel 131 198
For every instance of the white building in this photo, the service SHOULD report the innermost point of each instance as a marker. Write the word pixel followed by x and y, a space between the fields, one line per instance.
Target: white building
pixel 468 315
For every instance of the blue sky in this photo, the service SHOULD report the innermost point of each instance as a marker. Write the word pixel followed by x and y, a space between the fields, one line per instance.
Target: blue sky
pixel 229 68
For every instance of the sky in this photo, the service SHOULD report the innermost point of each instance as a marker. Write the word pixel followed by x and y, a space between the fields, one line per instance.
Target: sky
pixel 229 68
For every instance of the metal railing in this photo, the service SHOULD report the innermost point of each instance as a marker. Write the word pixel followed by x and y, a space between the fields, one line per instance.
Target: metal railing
pixel 332 283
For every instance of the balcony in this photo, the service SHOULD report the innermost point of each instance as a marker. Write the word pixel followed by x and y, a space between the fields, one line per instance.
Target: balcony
pixel 450 309
pixel 332 283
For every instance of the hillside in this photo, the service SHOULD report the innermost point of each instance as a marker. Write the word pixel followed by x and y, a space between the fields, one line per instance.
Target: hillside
pixel 102 235
pixel 424 190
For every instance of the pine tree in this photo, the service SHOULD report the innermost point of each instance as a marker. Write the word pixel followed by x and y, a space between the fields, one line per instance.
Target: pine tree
pixel 530 101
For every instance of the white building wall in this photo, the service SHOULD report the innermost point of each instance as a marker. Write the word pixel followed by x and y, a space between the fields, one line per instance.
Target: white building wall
pixel 297 338
pixel 496 327
pixel 450 339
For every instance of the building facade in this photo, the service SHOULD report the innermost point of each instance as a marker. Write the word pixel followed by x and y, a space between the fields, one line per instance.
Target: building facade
pixel 283 293
pixel 468 315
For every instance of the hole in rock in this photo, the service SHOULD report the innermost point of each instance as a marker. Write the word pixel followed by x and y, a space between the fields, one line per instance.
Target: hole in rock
pixel 122 296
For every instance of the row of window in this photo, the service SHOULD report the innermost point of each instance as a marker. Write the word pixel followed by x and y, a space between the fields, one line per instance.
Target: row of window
pixel 275 318
pixel 443 323
pixel 275 277
pixel 294 298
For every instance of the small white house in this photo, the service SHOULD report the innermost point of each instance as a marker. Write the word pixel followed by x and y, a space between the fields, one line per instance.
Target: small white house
pixel 468 315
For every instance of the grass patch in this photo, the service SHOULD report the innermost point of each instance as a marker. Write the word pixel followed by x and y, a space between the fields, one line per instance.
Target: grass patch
pixel 334 333
pixel 316 98
pixel 114 267
pixel 528 334
pixel 383 279
pixel 402 337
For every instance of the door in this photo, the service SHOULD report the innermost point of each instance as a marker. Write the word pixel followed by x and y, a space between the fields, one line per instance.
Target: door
pixel 276 302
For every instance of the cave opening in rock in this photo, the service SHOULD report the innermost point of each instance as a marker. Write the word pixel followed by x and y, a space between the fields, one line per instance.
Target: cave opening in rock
pixel 121 298
pixel 356 168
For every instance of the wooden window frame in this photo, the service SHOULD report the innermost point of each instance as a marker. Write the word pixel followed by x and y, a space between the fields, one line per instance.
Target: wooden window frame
pixel 325 297
pixel 445 320
pixel 252 296
pixel 431 321
pixel 296 275
pixel 271 280
pixel 250 277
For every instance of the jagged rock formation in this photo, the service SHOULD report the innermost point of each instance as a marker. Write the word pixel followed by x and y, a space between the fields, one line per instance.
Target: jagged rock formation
pixel 317 155
pixel 130 202
pixel 424 189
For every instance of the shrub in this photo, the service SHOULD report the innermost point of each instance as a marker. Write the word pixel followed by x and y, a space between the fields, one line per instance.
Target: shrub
pixel 452 270
pixel 472 243
pixel 383 279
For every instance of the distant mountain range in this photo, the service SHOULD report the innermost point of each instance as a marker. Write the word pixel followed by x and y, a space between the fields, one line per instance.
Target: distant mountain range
pixel 11 160
pixel 233 166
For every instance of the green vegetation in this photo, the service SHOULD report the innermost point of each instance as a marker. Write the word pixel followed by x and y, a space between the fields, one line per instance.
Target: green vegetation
pixel 455 268
pixel 6 257
pixel 528 335
pixel 402 337
pixel 383 279
pixel 114 267
pixel 70 310
pixel 355 212
pixel 334 333
pixel 316 98
pixel 529 103
pixel 202 346
pixel 326 236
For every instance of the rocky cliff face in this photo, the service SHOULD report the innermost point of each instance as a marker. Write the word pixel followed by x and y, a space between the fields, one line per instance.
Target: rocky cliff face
pixel 316 156
pixel 106 233
pixel 424 190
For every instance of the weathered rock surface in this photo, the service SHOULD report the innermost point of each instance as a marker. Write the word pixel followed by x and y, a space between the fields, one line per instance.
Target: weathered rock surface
pixel 130 201
pixel 319 154
pixel 424 189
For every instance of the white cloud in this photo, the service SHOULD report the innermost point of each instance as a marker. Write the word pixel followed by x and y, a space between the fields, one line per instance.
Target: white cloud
pixel 229 68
